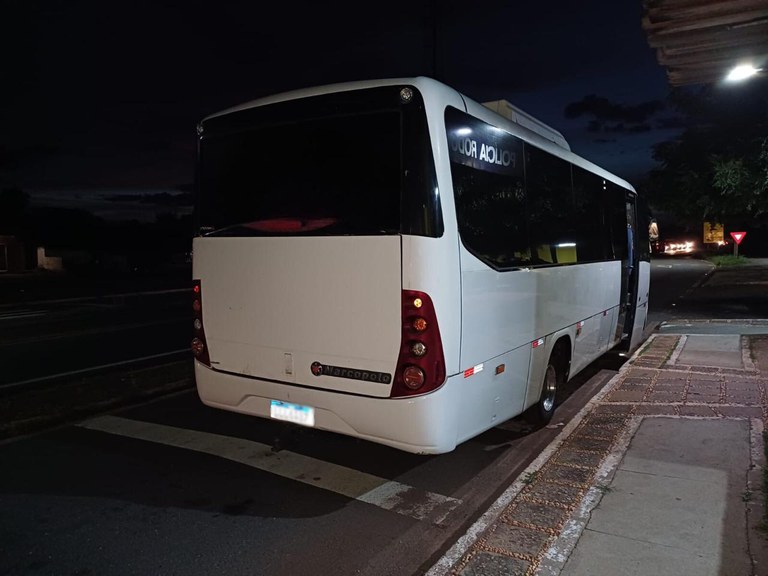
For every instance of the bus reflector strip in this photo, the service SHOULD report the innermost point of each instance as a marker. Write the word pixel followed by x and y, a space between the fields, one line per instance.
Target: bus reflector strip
pixel 539 342
pixel 474 370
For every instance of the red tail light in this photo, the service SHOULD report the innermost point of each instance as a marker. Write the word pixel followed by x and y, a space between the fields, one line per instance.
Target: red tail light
pixel 199 345
pixel 421 364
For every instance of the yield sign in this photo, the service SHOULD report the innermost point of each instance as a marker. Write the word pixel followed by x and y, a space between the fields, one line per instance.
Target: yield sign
pixel 738 237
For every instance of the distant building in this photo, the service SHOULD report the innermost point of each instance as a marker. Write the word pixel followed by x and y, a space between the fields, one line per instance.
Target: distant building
pixel 12 257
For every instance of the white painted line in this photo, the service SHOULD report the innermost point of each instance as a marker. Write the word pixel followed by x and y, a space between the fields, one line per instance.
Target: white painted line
pixel 22 314
pixel 92 331
pixel 104 296
pixel 386 494
pixel 90 369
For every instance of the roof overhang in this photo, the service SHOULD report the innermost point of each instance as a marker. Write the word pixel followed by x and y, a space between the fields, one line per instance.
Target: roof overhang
pixel 700 41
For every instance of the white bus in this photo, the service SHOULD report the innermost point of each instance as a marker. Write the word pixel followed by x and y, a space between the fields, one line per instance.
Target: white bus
pixel 393 261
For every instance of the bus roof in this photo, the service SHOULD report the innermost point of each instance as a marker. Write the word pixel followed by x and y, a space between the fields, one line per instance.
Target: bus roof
pixel 533 129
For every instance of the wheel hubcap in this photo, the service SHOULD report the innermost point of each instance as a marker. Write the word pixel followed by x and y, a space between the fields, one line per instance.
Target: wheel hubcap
pixel 550 389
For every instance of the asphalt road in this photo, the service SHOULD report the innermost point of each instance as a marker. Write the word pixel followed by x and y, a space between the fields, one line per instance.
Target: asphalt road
pixel 44 339
pixel 672 281
pixel 174 487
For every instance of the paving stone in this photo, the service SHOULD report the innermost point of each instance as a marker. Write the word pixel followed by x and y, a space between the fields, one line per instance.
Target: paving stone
pixel 697 398
pixel 579 458
pixel 656 410
pixel 541 515
pixel 641 372
pixel 567 474
pixel 633 381
pixel 583 440
pixel 671 384
pixel 567 495
pixel 738 371
pixel 614 411
pixel 743 397
pixel 704 389
pixel 607 433
pixel 609 422
pixel 741 411
pixel 672 377
pixel 488 564
pixel 648 362
pixel 656 353
pixel 700 377
pixel 626 396
pixel 667 387
pixel 743 384
pixel 633 387
pixel 665 397
pixel 517 539
pixel 713 370
pixel 705 384
pixel 696 411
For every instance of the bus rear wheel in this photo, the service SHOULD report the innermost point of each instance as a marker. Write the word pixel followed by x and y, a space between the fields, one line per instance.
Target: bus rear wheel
pixel 544 409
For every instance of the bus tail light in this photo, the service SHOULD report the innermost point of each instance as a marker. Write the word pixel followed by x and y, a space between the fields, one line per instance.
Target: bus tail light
pixel 199 345
pixel 421 364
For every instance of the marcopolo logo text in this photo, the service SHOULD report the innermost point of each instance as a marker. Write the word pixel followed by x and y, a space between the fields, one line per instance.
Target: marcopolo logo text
pixel 351 373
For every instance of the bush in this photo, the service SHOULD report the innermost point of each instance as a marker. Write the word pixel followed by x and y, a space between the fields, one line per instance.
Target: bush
pixel 728 260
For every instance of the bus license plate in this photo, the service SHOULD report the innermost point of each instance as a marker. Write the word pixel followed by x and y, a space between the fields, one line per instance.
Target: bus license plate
pixel 304 415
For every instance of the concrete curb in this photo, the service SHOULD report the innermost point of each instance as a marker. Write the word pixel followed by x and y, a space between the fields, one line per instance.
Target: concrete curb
pixel 536 525
pixel 454 555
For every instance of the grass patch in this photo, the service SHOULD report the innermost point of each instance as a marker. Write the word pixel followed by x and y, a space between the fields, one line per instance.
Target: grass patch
pixel 724 260
pixel 530 478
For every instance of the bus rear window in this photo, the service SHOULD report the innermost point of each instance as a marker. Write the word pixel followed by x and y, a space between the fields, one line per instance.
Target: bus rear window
pixel 288 174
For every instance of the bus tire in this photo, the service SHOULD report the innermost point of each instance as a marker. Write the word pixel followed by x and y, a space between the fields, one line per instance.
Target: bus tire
pixel 554 376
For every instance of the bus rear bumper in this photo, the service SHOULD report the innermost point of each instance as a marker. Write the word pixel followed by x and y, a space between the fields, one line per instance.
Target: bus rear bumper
pixel 421 425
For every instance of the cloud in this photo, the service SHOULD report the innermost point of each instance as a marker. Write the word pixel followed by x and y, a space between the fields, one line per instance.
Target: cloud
pixel 606 116
pixel 672 123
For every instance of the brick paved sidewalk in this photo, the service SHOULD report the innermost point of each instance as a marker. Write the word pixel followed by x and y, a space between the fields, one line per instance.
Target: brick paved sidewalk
pixel 537 522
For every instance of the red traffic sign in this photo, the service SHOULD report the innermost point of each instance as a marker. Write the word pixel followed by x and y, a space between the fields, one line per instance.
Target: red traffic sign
pixel 738 237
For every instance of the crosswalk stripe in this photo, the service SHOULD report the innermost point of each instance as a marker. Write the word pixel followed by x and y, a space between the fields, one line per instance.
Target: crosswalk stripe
pixel 22 314
pixel 386 494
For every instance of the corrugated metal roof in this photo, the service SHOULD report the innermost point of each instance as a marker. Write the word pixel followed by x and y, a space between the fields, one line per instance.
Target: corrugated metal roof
pixel 699 41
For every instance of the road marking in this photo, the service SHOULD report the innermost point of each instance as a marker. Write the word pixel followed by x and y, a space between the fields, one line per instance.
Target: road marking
pixel 386 494
pixel 22 314
pixel 91 369
pixel 91 331
pixel 96 297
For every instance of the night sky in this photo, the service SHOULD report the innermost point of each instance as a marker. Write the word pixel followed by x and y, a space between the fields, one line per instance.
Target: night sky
pixel 102 98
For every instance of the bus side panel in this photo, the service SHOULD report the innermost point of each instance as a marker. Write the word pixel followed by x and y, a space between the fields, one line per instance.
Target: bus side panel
pixel 497 388
pixel 502 311
pixel 587 344
pixel 641 313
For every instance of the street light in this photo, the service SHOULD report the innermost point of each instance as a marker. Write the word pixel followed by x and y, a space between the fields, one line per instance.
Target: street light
pixel 742 72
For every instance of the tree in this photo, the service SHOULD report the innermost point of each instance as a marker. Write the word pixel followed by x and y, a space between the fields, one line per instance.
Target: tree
pixel 718 168
pixel 743 181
